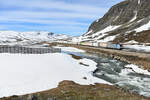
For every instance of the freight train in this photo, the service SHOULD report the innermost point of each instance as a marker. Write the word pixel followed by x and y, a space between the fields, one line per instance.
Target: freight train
pixel 103 45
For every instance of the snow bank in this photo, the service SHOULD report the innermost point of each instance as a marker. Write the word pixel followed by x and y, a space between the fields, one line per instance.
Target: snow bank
pixel 107 29
pixel 125 72
pixel 89 32
pixel 91 64
pixel 143 28
pixel 97 35
pixel 107 39
pixel 128 78
pixel 70 49
pixel 138 47
pixel 132 42
pixel 137 69
pixel 134 18
pixel 22 74
pixel 139 1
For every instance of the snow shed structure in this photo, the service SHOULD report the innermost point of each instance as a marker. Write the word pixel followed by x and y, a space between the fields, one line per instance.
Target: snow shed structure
pixel 28 50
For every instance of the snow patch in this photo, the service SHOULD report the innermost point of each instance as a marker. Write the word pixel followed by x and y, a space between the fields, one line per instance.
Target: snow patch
pixel 132 42
pixel 70 49
pixel 77 39
pixel 139 1
pixel 125 71
pixel 33 73
pixel 138 47
pixel 107 39
pixel 137 69
pixel 89 32
pixel 97 20
pixel 143 28
pixel 116 18
pixel 91 64
pixel 96 36
pixel 103 32
pixel 134 18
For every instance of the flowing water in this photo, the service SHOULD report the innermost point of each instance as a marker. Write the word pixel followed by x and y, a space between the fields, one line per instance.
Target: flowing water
pixel 114 72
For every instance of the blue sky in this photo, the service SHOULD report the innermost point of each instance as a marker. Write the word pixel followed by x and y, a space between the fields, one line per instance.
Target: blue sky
pixel 71 17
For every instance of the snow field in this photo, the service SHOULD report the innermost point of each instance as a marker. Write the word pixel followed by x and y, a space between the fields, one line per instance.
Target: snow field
pixel 22 74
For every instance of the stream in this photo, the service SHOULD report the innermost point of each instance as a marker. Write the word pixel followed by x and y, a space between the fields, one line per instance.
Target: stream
pixel 114 72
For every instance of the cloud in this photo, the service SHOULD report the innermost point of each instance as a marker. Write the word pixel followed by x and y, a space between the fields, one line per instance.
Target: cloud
pixel 40 21
pixel 52 15
pixel 51 4
pixel 40 14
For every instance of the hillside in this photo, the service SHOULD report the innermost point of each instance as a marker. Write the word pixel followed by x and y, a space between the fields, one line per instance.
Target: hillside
pixel 22 38
pixel 127 21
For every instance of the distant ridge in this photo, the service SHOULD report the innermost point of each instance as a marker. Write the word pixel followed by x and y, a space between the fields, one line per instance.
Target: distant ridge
pixel 33 37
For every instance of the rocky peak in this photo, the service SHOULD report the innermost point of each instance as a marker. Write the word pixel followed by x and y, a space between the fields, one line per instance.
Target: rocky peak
pixel 128 15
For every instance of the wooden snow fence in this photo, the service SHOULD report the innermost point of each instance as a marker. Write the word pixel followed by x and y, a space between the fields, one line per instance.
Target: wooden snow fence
pixel 28 50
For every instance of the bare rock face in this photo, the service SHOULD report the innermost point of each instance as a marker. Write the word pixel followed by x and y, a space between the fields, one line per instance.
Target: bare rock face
pixel 128 15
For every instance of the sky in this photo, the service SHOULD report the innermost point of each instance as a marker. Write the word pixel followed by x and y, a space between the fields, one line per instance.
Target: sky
pixel 71 17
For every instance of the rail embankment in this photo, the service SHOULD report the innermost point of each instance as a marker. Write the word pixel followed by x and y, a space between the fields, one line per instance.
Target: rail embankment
pixel 140 59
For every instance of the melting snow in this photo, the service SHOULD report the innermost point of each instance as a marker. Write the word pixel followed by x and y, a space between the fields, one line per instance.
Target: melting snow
pixel 116 18
pixel 139 1
pixel 97 20
pixel 25 74
pixel 89 32
pixel 107 29
pixel 137 69
pixel 70 49
pixel 143 28
pixel 97 35
pixel 107 39
pixel 131 42
pixel 138 47
pixel 91 64
pixel 134 18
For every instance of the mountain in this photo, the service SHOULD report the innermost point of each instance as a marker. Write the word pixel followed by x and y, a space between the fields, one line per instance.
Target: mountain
pixel 126 21
pixel 13 37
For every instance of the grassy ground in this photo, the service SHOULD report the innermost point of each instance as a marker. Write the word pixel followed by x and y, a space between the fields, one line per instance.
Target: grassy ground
pixel 68 90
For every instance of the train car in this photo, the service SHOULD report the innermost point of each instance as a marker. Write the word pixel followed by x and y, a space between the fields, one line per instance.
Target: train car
pixel 86 43
pixel 113 46
pixel 102 44
pixel 109 45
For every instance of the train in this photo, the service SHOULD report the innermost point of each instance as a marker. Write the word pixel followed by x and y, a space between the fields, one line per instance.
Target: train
pixel 108 45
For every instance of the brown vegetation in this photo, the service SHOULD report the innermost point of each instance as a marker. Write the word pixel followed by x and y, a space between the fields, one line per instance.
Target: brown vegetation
pixel 68 90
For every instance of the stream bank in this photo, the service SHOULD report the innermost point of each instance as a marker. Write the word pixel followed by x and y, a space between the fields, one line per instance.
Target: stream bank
pixel 140 59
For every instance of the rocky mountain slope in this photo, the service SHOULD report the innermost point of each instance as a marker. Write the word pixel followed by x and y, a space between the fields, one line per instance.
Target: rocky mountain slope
pixel 13 37
pixel 126 21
